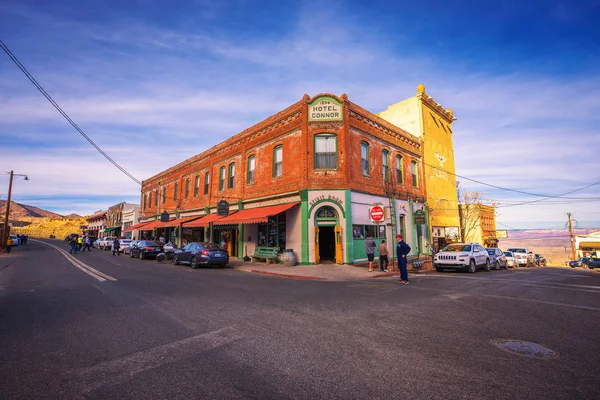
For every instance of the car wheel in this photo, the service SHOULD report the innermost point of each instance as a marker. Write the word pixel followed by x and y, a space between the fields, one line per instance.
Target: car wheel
pixel 497 265
pixel 130 254
pixel 141 255
pixel 175 260
pixel 472 267
pixel 487 266
pixel 193 263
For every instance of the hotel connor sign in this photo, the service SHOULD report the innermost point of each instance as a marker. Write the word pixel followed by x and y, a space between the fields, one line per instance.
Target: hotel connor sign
pixel 325 108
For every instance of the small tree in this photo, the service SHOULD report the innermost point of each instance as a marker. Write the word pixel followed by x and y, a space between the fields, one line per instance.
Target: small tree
pixel 470 210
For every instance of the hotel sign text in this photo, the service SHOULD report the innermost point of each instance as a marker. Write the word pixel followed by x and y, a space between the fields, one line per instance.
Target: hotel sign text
pixel 325 108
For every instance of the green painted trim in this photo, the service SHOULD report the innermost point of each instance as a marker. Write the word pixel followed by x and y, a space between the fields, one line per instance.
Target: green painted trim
pixel 413 228
pixel 331 99
pixel 240 252
pixel 329 201
pixel 304 216
pixel 427 228
pixel 336 152
pixel 349 244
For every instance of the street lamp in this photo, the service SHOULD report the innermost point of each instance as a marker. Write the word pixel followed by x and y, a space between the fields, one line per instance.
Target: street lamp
pixel 5 230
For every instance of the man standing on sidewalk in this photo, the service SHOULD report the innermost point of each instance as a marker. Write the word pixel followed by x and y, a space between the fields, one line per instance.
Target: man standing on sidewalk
pixel 370 250
pixel 402 250
pixel 383 257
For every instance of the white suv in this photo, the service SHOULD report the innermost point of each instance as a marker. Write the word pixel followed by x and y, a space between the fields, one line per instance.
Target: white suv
pixel 468 256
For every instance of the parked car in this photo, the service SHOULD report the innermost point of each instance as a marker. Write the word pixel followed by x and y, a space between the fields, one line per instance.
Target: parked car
pixel 511 261
pixel 467 256
pixel 93 240
pixel 497 258
pixel 124 243
pixel 127 248
pixel 201 253
pixel 15 240
pixel 576 263
pixel 106 243
pixel 145 248
pixel 540 261
pixel 524 257
pixel 591 262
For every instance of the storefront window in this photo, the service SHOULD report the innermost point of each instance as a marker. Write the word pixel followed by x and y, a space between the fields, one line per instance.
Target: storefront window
pixel 272 233
pixel 362 231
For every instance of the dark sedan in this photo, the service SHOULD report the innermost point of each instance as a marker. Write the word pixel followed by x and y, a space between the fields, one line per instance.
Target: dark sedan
pixel 201 253
pixel 145 248
pixel 497 258
pixel 591 263
pixel 576 263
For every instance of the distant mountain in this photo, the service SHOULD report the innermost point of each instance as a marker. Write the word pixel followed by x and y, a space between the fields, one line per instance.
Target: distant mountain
pixel 18 210
pixel 533 233
pixel 73 216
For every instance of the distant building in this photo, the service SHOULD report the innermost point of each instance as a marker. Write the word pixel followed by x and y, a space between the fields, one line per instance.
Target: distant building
pixel 96 222
pixel 478 223
pixel 588 245
pixel 114 218
pixel 424 118
pixel 131 216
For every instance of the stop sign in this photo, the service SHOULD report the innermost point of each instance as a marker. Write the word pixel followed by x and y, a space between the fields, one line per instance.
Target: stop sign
pixel 376 213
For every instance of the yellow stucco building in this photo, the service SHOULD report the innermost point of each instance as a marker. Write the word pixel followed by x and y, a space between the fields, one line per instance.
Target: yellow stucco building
pixel 423 117
pixel 478 224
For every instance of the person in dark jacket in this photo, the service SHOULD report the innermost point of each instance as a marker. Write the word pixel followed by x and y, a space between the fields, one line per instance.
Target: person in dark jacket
pixel 402 250
pixel 116 246
pixel 370 250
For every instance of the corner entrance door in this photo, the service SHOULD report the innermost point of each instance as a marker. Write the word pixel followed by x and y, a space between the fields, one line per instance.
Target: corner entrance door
pixel 338 245
pixel 326 244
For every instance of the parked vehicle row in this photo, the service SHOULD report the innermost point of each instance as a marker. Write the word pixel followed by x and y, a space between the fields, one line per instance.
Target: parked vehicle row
pixel 472 256
pixel 194 254
pixel 585 262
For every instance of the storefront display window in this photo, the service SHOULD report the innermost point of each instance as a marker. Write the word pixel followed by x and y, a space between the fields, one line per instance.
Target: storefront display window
pixel 363 231
pixel 272 233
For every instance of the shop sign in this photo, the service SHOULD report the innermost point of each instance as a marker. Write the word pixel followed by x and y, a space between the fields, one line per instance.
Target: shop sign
pixel 325 108
pixel 164 217
pixel 222 208
pixel 439 232
pixel 376 213
pixel 330 197
pixel 419 217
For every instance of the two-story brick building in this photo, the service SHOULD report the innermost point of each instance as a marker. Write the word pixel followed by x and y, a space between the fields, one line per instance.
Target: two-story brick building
pixel 303 179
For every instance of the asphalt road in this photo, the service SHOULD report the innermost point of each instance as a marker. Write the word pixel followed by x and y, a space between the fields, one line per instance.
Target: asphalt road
pixel 140 329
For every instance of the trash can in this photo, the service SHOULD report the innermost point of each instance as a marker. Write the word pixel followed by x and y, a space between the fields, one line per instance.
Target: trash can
pixel 288 257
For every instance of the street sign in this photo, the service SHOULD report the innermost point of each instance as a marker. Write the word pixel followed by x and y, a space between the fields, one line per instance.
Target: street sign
pixel 222 208
pixel 419 217
pixel 164 217
pixel 376 213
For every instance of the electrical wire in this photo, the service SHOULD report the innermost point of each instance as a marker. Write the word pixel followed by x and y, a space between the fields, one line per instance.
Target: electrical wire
pixel 63 113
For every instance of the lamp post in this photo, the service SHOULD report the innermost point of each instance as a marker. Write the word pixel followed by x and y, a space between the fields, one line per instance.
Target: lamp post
pixel 6 214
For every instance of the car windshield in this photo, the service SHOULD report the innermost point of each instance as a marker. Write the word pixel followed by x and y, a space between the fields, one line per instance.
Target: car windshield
pixel 491 252
pixel 508 253
pixel 457 247
pixel 152 244
pixel 518 250
pixel 210 246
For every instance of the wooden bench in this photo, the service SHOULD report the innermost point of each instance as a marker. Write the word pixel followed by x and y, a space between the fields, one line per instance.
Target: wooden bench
pixel 268 253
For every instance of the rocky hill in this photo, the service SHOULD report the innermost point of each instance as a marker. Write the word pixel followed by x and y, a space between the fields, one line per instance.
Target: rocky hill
pixel 18 210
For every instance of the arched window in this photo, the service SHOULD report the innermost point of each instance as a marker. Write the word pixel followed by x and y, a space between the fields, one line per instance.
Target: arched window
pixel 187 188
pixel 326 212
pixel 364 158
pixel 399 170
pixel 144 202
pixel 325 151
pixel 385 165
pixel 196 185
pixel 150 199
pixel 415 174
pixel 251 166
pixel 156 198
pixel 231 175
pixel 175 190
pixel 222 178
pixel 206 182
pixel 164 195
pixel 277 161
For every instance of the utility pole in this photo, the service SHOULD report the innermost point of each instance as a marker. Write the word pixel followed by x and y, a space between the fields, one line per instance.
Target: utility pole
pixel 571 237
pixel 5 230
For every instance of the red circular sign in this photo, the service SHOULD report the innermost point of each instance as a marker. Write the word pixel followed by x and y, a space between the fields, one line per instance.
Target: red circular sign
pixel 377 213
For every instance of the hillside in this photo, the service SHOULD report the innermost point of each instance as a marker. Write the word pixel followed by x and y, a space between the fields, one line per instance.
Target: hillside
pixel 44 227
pixel 18 211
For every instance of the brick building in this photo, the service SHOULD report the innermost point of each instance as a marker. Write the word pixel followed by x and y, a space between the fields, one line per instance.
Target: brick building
pixel 96 223
pixel 304 180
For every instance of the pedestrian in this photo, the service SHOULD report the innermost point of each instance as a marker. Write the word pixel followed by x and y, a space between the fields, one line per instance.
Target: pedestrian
pixel 370 250
pixel 9 244
pixel 79 242
pixel 162 239
pixel 26 238
pixel 116 246
pixel 73 243
pixel 383 257
pixel 402 250
pixel 87 244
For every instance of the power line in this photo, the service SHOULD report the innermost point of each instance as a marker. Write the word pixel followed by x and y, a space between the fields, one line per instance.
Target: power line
pixel 63 113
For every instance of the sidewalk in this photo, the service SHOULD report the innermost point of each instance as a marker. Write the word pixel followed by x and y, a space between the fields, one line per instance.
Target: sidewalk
pixel 320 272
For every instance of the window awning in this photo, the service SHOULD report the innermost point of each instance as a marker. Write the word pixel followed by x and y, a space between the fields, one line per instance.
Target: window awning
pixel 150 226
pixel 254 215
pixel 176 222
pixel 137 226
pixel 114 228
pixel 202 222
pixel 589 245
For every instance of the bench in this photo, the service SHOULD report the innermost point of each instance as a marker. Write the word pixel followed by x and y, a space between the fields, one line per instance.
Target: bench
pixel 268 253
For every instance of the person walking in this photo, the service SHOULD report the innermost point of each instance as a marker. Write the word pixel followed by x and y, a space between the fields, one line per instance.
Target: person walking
pixel 116 246
pixel 370 250
pixel 87 244
pixel 383 257
pixel 73 243
pixel 79 242
pixel 402 250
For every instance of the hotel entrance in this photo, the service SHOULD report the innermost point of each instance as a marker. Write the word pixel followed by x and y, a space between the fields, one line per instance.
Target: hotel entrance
pixel 328 237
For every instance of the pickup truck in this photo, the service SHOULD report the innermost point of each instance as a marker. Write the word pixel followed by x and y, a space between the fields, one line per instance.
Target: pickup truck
pixel 523 257
pixel 106 243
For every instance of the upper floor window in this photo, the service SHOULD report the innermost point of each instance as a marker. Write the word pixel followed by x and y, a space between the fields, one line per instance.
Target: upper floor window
pixel 175 190
pixel 145 201
pixel 222 178
pixel 415 174
pixel 150 199
pixel 277 161
pixel 196 185
pixel 385 164
pixel 231 175
pixel 399 170
pixel 251 167
pixel 187 188
pixel 325 152
pixel 364 158
pixel 206 182
pixel 164 200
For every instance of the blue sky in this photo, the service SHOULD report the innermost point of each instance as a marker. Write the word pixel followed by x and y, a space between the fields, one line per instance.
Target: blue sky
pixel 154 83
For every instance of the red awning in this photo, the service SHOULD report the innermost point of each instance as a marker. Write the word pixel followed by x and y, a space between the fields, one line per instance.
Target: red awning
pixel 202 222
pixel 254 215
pixel 137 226
pixel 176 222
pixel 150 226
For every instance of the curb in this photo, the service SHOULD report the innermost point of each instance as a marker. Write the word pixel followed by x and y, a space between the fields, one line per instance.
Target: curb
pixel 299 277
